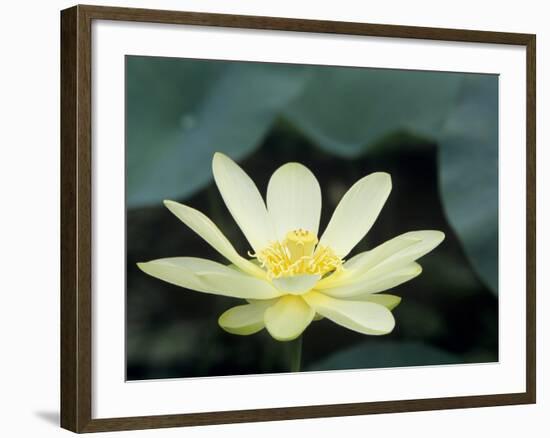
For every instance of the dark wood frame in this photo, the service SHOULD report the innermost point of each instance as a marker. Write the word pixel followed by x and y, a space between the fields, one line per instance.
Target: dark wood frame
pixel 76 237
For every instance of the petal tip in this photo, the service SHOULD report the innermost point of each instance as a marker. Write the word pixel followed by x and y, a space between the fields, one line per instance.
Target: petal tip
pixel 387 328
pixel 395 304
pixel 221 319
pixel 217 160
pixel 384 177
pixel 142 266
pixel 170 205
pixel 294 165
pixel 220 157
pixel 280 338
pixel 439 236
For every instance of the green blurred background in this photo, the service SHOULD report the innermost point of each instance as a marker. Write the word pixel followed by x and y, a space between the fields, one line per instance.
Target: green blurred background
pixel 436 133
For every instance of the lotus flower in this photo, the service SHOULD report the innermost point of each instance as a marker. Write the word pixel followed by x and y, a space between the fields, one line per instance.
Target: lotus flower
pixel 293 277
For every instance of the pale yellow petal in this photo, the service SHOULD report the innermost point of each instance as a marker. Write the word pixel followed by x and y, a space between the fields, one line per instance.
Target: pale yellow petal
pixel 208 230
pixel 288 318
pixel 368 259
pixel 243 200
pixel 389 256
pixel 246 319
pixel 372 282
pixel 361 316
pixel 297 284
pixel 398 251
pixel 386 300
pixel 209 277
pixel 294 200
pixel 356 213
pixel 172 272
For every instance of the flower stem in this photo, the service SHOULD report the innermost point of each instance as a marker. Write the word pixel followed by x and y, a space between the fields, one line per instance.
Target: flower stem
pixel 296 354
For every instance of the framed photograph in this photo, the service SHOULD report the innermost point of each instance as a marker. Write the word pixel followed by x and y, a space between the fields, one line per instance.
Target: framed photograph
pixel 269 218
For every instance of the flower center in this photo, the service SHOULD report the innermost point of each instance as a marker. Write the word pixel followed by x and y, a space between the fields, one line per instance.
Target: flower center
pixel 298 254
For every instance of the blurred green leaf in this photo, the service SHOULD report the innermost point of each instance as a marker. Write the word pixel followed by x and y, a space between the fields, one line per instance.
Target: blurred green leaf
pixel 181 112
pixel 385 354
pixel 347 110
pixel 468 173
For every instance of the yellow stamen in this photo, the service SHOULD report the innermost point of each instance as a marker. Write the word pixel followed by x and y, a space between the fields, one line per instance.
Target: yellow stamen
pixel 298 254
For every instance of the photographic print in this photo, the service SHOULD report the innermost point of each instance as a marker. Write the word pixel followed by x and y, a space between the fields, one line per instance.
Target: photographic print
pixel 304 218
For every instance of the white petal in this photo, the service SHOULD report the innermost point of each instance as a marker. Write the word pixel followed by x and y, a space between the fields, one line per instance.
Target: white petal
pixel 356 213
pixel 246 319
pixel 243 200
pixel 288 318
pixel 372 282
pixel 361 316
pixel 208 230
pixel 296 284
pixel 210 277
pixel 294 200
